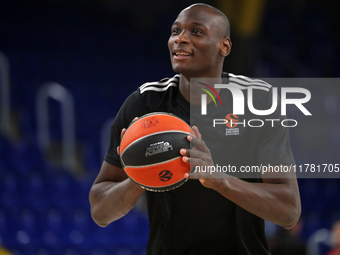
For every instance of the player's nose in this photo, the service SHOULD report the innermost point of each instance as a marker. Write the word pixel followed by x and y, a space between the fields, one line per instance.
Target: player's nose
pixel 182 37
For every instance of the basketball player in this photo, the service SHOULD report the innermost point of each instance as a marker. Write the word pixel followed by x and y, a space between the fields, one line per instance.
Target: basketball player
pixel 206 215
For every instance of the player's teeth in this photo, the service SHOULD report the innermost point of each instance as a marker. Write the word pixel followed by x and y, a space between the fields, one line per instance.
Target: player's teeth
pixel 182 54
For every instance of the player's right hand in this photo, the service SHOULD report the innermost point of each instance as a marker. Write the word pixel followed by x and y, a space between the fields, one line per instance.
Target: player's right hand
pixel 123 132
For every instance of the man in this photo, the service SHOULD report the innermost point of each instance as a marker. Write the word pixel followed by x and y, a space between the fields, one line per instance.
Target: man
pixel 208 215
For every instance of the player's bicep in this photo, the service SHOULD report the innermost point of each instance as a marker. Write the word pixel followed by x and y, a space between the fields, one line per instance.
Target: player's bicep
pixel 110 173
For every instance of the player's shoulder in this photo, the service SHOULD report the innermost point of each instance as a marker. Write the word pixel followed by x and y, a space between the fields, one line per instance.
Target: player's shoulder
pixel 160 86
pixel 244 82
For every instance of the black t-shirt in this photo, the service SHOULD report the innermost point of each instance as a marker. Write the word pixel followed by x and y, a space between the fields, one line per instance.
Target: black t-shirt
pixel 193 219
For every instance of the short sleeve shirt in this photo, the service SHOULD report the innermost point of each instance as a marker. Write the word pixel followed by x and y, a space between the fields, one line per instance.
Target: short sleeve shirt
pixel 193 219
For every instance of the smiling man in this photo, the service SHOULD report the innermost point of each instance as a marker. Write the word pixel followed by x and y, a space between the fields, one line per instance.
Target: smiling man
pixel 199 42
pixel 222 215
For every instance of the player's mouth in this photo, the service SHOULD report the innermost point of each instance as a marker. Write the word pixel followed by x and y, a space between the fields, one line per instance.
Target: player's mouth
pixel 179 55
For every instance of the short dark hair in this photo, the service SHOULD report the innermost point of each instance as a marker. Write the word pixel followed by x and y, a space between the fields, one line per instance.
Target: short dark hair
pixel 223 22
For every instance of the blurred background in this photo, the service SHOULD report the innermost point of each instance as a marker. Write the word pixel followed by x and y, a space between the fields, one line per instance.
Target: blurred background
pixel 66 66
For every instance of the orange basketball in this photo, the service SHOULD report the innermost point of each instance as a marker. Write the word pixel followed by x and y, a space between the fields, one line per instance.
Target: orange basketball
pixel 149 151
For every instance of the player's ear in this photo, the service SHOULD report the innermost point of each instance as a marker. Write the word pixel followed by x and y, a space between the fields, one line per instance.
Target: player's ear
pixel 225 46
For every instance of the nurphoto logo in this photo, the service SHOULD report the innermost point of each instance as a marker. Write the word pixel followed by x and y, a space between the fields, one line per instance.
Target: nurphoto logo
pixel 239 101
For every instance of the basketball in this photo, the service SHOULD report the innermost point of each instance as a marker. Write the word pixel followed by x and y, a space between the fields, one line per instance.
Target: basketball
pixel 149 151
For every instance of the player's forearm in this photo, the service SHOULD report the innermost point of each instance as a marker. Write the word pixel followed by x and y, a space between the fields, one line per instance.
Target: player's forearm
pixel 111 201
pixel 275 202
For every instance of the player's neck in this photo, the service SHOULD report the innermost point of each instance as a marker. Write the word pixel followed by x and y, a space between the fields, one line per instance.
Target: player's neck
pixel 188 91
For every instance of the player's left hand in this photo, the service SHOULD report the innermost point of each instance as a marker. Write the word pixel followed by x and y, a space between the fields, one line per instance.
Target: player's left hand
pixel 199 156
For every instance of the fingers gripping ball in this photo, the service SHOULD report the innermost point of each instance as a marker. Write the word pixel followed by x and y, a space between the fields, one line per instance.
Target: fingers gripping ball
pixel 149 151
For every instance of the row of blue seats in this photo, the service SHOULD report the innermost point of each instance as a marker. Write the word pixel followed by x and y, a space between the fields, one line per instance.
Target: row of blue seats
pixel 46 210
pixel 78 250
pixel 77 227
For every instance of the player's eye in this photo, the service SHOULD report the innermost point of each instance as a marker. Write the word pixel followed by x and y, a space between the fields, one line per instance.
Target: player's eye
pixel 175 31
pixel 197 31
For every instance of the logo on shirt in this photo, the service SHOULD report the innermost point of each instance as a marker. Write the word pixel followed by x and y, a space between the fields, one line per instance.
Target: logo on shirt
pixel 231 121
pixel 232 118
pixel 231 124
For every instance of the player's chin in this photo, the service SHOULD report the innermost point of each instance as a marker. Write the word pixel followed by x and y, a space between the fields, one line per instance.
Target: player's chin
pixel 182 69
